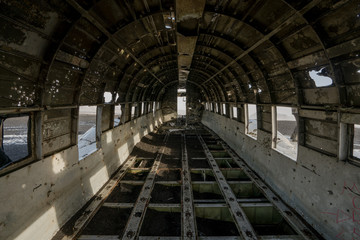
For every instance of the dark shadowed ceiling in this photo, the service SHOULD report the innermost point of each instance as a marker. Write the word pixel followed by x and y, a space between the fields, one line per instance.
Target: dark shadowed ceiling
pixel 69 52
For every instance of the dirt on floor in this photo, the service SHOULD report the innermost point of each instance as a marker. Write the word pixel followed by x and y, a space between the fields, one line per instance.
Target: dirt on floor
pixel 135 176
pixel 166 194
pixel 170 163
pixel 168 175
pixel 200 177
pixel 124 193
pixel 282 228
pixel 209 227
pixel 198 163
pixel 206 195
pixel 108 221
pixel 158 223
pixel 149 146
pixel 144 163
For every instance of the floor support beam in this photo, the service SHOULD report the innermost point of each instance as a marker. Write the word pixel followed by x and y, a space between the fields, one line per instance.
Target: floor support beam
pixel 241 221
pixel 137 215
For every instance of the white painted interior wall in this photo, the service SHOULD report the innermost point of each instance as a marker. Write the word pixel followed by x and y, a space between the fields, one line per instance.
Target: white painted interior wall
pixel 39 198
pixel 313 185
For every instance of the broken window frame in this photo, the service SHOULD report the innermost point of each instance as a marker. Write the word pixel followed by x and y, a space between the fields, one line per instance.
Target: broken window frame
pixel 29 157
pixel 134 111
pixel 233 112
pixel 149 107
pixel 181 106
pixel 274 124
pixel 217 108
pixel 97 132
pixel 351 140
pixel 247 122
pixel 120 116
pixel 346 136
pixel 154 108
pixel 142 108
pixel 224 112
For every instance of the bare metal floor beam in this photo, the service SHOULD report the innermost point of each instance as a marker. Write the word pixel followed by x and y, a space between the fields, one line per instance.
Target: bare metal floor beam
pixel 137 215
pixel 241 221
pixel 99 199
pixel 284 210
pixel 235 205
pixel 187 213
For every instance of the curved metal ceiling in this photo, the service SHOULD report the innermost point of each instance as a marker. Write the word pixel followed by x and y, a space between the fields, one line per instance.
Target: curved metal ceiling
pixel 60 53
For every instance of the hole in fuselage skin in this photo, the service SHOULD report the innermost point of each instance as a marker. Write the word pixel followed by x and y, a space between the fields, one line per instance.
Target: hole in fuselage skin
pixel 320 78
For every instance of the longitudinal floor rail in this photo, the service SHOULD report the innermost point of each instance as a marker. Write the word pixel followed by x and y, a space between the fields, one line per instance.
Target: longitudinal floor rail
pixel 138 212
pixel 187 213
pixel 186 184
pixel 242 222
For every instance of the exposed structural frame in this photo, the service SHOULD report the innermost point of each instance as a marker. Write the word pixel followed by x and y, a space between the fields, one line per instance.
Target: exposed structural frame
pixel 242 222
pixel 99 199
pixel 137 215
pixel 285 211
pixel 236 205
pixel 187 213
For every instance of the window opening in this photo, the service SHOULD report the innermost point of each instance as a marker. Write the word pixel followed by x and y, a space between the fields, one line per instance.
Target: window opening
pixel 142 108
pixel 224 108
pixel 181 103
pixel 133 112
pixel 154 108
pixel 15 140
pixel 251 126
pixel 87 131
pixel 285 131
pixel 117 115
pixel 235 112
pixel 356 142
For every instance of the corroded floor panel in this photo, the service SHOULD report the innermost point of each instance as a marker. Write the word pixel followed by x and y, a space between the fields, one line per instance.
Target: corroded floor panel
pixel 186 184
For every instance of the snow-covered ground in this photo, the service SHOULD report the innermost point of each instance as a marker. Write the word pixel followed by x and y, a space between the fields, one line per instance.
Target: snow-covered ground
pixel 356 149
pixel 252 130
pixel 15 138
pixel 15 135
pixel 87 131
pixel 87 143
pixel 286 146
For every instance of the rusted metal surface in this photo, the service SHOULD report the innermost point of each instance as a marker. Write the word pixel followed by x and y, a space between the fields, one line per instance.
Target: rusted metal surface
pixel 242 222
pixel 298 224
pixel 277 39
pixel 193 210
pixel 56 55
pixel 100 197
pixel 137 215
pixel 188 217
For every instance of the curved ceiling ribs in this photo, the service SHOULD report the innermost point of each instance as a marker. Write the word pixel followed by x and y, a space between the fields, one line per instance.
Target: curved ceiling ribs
pixel 254 51
pixel 262 66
